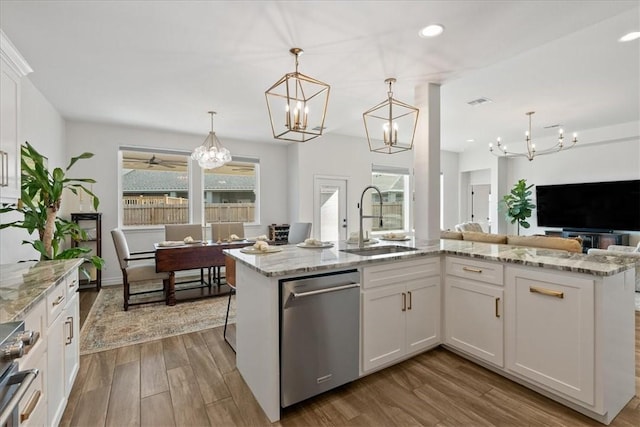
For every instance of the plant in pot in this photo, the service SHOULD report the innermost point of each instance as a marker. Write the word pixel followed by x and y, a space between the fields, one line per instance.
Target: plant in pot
pixel 40 201
pixel 518 204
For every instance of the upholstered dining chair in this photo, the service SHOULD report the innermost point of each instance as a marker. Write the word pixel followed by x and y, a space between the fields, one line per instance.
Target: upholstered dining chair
pixel 223 230
pixel 178 232
pixel 134 271
pixel 468 226
pixel 299 232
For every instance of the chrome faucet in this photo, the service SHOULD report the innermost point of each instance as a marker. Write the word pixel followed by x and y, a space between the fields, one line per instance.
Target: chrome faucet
pixel 361 234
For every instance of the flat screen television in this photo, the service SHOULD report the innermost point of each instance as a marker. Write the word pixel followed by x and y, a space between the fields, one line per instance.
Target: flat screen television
pixel 595 206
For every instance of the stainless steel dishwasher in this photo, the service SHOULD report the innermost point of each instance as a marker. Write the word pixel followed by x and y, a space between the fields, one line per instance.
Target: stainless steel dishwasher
pixel 319 334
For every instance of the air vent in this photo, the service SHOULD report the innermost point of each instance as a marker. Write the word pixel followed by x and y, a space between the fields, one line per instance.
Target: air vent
pixel 317 128
pixel 557 125
pixel 479 101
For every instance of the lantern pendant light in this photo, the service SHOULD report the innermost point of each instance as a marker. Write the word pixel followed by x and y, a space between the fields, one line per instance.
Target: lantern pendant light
pixel 391 125
pixel 297 105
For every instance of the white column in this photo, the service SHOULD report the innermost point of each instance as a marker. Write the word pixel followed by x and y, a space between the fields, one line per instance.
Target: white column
pixel 427 163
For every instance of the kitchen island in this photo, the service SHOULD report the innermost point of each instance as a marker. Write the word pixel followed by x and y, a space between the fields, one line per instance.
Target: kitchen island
pixel 44 295
pixel 559 323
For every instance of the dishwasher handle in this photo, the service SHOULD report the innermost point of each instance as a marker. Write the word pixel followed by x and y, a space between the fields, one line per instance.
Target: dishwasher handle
pixel 324 290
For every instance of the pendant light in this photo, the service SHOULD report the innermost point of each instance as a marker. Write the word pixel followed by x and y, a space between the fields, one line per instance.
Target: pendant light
pixel 297 105
pixel 211 154
pixel 532 151
pixel 391 125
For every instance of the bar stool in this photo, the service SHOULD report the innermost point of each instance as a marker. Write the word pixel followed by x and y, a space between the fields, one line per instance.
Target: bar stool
pixel 230 272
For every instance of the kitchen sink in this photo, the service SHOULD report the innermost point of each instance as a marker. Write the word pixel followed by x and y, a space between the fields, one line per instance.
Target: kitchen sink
pixel 378 250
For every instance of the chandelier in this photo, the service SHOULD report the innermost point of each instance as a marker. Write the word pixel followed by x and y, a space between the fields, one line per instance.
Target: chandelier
pixel 390 125
pixel 211 154
pixel 501 149
pixel 297 105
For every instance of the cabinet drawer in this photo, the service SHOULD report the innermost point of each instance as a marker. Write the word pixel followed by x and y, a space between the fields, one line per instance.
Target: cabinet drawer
pixel 483 271
pixel 36 321
pixel 33 407
pixel 72 284
pixel 56 301
pixel 395 272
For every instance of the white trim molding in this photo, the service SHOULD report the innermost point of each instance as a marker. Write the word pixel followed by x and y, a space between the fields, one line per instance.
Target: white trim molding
pixel 12 57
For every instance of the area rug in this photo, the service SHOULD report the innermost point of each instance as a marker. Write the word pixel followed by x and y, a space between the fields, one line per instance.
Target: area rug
pixel 108 326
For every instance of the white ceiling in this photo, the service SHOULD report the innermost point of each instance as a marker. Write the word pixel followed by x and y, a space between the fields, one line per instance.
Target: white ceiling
pixel 164 64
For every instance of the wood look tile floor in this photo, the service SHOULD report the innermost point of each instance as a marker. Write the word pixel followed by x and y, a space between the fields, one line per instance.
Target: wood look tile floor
pixel 191 380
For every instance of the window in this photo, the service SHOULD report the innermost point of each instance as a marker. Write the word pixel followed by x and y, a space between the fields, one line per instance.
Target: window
pixel 231 192
pixel 155 187
pixel 394 186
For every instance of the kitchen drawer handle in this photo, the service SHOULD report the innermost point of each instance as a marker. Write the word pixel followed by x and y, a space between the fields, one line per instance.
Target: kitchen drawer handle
pixel 543 291
pixel 472 270
pixel 5 169
pixel 497 309
pixel 24 378
pixel 31 406
pixel 404 302
pixel 58 300
pixel 73 283
pixel 324 291
pixel 409 308
pixel 70 323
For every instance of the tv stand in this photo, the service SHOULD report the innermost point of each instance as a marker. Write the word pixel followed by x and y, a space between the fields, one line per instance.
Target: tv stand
pixel 592 239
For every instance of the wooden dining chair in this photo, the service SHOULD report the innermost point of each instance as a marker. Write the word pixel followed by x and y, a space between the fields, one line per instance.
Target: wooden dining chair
pixel 135 269
pixel 230 271
pixel 178 232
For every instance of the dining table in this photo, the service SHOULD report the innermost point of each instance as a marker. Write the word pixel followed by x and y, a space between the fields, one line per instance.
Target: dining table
pixel 178 256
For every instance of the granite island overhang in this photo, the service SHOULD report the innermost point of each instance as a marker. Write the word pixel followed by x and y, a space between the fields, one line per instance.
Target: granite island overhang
pixel 612 287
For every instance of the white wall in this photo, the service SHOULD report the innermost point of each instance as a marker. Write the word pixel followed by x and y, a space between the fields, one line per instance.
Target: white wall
pixel 603 154
pixel 342 156
pixel 449 169
pixel 44 128
pixel 104 140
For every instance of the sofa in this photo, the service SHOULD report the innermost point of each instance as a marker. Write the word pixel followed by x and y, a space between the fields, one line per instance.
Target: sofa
pixel 632 252
pixel 547 242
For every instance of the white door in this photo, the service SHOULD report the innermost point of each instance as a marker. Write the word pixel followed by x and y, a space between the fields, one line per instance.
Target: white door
pixel 479 196
pixel 330 213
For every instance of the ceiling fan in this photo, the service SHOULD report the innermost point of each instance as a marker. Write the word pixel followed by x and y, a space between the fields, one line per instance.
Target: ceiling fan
pixel 155 161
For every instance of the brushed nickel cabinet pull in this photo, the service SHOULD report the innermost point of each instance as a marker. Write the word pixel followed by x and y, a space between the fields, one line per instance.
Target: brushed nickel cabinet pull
pixel 497 304
pixel 543 291
pixel 409 300
pixel 404 302
pixel 33 402
pixel 58 300
pixel 472 270
pixel 70 323
pixel 4 178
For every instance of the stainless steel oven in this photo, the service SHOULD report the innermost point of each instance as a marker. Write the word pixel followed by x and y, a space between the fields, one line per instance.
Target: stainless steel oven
pixel 14 340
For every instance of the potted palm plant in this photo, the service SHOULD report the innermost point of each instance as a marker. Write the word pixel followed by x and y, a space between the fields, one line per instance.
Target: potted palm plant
pixel 39 204
pixel 518 204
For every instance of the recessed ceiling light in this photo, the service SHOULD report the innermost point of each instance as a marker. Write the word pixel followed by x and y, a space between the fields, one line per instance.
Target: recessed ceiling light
pixel 431 30
pixel 471 140
pixel 630 36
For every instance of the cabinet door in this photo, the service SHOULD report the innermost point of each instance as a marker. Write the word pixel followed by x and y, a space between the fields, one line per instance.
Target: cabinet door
pixel 55 370
pixel 550 339
pixel 474 319
pixel 423 313
pixel 9 137
pixel 383 326
pixel 71 343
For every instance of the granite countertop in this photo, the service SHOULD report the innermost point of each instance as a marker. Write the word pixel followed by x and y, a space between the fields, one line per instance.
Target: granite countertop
pixel 23 285
pixel 295 260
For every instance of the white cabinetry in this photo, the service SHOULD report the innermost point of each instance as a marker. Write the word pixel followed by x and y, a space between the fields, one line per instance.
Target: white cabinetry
pixel 474 312
pixel 12 68
pixel 33 407
pixel 551 334
pixel 63 350
pixel 400 310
